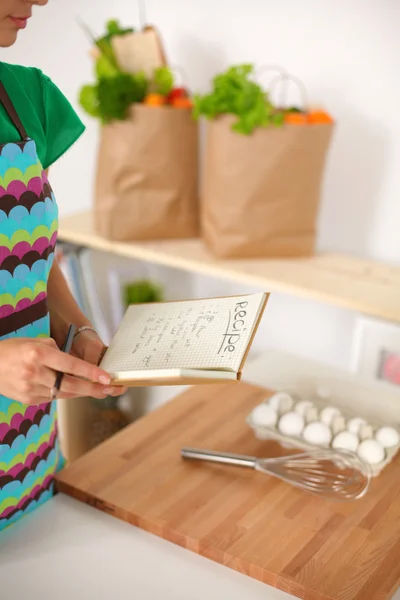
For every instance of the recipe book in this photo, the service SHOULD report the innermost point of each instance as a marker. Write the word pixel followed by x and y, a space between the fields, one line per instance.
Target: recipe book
pixel 185 342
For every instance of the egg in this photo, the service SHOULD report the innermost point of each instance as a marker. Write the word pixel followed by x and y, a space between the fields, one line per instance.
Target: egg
pixel 317 433
pixel 345 440
pixel 281 402
pixel 291 423
pixel 366 432
pixel 371 451
pixel 338 424
pixel 303 407
pixel 387 437
pixel 264 416
pixel 312 414
pixel 354 424
pixel 328 413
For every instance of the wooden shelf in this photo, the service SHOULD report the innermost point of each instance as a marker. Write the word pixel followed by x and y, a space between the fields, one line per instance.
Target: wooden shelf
pixel 368 287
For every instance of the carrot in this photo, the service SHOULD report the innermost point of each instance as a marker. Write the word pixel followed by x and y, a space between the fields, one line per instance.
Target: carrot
pixel 296 118
pixel 154 100
pixel 319 116
pixel 182 103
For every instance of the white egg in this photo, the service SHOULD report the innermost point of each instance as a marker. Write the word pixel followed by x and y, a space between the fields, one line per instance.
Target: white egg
pixel 328 413
pixel 317 433
pixel 264 416
pixel 291 423
pixel 366 432
pixel 281 402
pixel 354 424
pixel 312 414
pixel 387 437
pixel 371 451
pixel 303 407
pixel 338 424
pixel 345 440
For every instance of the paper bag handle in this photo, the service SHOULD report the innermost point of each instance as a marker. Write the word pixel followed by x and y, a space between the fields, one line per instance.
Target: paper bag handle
pixel 265 68
pixel 142 14
pixel 287 78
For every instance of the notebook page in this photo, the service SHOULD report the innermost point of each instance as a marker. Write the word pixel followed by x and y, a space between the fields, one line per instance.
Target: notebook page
pixel 197 334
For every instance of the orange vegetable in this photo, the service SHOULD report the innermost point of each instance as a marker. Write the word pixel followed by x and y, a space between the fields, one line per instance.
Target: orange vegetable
pixel 154 100
pixel 182 103
pixel 319 116
pixel 296 118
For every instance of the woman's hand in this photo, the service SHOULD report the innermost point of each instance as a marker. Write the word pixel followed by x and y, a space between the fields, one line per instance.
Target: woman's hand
pixel 89 347
pixel 28 372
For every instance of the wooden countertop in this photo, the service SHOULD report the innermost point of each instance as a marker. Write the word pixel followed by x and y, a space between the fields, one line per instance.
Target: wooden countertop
pixel 369 287
pixel 255 524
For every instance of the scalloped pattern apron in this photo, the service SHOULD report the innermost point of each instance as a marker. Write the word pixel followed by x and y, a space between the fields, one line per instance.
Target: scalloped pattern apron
pixel 29 448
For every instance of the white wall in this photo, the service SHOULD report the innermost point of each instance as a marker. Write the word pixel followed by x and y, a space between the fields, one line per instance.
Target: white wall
pixel 347 55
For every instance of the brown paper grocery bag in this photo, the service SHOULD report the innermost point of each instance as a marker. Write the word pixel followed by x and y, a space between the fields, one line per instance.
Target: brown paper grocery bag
pixel 139 51
pixel 260 193
pixel 146 183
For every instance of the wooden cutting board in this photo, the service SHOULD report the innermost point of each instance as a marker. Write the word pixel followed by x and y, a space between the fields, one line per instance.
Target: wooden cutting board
pixel 309 547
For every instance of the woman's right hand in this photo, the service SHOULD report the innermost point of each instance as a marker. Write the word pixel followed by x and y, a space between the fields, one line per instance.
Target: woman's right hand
pixel 28 370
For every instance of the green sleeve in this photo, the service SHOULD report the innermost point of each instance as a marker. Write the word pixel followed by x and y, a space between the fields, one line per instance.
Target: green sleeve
pixel 62 126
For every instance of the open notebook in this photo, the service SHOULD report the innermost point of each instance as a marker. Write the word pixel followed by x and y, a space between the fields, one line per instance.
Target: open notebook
pixel 183 343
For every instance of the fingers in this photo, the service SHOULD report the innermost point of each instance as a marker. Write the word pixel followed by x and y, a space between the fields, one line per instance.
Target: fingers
pixel 114 391
pixel 42 359
pixel 118 391
pixel 79 387
pixel 69 383
pixel 72 386
pixel 44 354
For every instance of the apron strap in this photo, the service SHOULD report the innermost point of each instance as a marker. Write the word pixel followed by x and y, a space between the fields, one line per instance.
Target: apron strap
pixel 12 113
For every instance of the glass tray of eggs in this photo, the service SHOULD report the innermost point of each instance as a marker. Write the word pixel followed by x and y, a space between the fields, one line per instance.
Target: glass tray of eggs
pixel 294 421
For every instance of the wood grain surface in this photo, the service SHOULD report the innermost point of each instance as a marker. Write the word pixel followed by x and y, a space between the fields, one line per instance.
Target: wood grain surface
pixel 299 543
pixel 366 286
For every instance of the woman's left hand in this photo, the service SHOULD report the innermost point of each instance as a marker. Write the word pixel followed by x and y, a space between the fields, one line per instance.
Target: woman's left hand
pixel 89 347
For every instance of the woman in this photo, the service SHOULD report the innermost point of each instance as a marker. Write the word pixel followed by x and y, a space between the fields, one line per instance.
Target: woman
pixel 37 125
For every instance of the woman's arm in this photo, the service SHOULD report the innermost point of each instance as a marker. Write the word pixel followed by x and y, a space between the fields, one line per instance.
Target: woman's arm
pixel 28 367
pixel 63 307
pixel 64 310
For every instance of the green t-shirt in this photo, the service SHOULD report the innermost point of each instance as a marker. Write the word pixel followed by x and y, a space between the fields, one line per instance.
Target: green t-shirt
pixel 45 112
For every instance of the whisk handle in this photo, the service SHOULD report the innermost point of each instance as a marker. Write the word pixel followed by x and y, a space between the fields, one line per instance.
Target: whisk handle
pixel 226 458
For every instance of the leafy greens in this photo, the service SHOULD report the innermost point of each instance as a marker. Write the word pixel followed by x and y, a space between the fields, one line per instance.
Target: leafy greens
pixel 114 91
pixel 235 93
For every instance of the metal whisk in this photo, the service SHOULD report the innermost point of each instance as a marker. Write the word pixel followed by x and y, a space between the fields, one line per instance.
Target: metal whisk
pixel 334 475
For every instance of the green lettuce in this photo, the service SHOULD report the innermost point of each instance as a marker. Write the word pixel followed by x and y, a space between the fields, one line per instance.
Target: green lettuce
pixel 235 93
